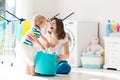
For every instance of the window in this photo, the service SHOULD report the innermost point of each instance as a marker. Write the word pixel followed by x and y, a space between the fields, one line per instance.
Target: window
pixel 7 42
pixel 2 6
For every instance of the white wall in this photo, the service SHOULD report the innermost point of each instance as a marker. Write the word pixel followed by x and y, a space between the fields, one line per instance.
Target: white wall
pixel 85 10
pixel 108 9
pixel 45 7
pixel 24 8
pixel 91 10
pixel 29 8
pixel 82 9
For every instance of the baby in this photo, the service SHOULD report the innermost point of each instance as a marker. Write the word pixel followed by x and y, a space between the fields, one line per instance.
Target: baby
pixel 30 40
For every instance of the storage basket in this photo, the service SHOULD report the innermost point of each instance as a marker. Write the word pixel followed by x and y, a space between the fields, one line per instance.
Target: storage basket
pixel 92 61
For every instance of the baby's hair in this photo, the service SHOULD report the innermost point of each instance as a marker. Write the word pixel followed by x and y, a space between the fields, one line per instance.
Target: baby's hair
pixel 39 19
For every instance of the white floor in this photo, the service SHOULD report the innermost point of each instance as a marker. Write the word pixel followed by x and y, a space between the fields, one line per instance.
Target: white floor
pixel 75 74
pixel 17 73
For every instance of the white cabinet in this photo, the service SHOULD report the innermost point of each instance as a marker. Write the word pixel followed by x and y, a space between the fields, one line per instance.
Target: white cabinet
pixel 112 52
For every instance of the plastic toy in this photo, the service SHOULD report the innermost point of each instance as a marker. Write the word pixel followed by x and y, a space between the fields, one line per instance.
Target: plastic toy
pixel 94 47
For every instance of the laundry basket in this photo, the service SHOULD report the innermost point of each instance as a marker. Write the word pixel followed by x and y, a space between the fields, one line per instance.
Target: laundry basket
pixel 92 61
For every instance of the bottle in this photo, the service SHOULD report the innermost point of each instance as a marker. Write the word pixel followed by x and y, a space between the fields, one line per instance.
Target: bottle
pixel 118 27
pixel 113 26
pixel 108 28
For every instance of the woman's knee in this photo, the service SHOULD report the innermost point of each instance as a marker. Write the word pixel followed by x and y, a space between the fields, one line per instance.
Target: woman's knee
pixel 63 68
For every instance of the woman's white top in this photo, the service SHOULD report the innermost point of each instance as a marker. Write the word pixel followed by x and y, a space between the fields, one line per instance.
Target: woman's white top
pixel 58 49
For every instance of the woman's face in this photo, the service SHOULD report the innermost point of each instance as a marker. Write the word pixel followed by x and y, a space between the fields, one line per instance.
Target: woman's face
pixel 53 25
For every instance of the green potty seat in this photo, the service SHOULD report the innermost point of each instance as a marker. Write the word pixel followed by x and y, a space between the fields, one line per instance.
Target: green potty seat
pixel 45 63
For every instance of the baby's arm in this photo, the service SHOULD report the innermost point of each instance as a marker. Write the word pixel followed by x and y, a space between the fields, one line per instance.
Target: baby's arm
pixel 38 42
pixel 46 41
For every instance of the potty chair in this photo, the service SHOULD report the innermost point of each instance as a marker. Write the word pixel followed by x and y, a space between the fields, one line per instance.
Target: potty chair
pixel 45 63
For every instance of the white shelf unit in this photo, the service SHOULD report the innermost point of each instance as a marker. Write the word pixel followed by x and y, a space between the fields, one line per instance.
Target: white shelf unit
pixel 112 52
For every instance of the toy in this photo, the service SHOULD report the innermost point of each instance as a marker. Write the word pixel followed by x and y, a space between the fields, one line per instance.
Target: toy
pixel 94 47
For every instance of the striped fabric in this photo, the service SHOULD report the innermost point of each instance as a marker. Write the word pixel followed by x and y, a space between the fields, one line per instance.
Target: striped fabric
pixel 28 40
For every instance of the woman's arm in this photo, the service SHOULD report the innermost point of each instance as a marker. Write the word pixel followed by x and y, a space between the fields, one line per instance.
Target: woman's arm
pixel 66 52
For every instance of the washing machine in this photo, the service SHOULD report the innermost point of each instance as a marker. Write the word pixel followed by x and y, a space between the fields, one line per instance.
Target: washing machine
pixel 79 36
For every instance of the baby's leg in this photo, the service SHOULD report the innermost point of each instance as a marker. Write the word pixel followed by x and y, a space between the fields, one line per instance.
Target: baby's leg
pixel 32 71
pixel 27 69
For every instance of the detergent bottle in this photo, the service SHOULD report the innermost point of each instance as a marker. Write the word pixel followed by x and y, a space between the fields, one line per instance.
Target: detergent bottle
pixel 113 26
pixel 108 28
pixel 118 27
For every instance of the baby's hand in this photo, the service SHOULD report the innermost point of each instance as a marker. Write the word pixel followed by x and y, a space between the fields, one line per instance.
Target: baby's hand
pixel 48 45
pixel 42 47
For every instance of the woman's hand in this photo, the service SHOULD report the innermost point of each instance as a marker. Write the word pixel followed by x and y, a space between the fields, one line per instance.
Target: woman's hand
pixel 52 45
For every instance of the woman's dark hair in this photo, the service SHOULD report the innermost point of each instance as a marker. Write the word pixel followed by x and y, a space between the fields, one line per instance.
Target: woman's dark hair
pixel 59 28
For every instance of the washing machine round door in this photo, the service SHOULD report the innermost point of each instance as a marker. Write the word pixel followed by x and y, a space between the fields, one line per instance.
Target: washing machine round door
pixel 71 39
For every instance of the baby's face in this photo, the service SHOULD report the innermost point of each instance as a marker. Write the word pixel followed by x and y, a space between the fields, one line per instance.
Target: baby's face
pixel 42 25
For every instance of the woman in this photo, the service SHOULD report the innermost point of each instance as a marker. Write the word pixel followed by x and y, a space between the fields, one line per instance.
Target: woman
pixel 58 38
